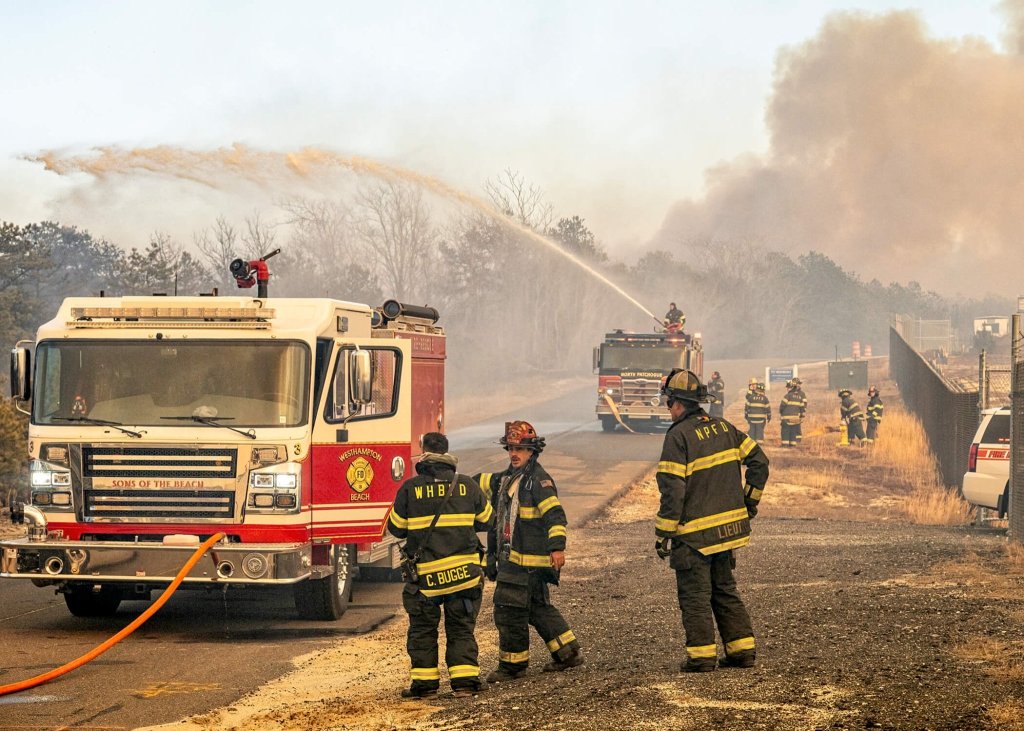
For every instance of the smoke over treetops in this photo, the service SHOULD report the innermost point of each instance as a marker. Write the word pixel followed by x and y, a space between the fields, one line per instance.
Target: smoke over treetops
pixel 897 154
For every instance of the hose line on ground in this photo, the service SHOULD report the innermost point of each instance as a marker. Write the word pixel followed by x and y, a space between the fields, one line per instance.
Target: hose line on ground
pixel 138 622
pixel 615 413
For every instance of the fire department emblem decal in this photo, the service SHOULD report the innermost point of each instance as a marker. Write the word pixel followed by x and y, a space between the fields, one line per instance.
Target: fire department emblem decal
pixel 360 474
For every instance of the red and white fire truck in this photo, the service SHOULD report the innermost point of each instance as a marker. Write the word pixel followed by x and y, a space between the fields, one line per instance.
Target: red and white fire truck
pixel 631 367
pixel 156 422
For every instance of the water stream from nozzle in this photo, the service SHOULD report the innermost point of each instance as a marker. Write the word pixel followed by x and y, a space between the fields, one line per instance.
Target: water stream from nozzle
pixel 253 165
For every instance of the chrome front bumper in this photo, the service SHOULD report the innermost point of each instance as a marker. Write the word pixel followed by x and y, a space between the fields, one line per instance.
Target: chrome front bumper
pixel 56 561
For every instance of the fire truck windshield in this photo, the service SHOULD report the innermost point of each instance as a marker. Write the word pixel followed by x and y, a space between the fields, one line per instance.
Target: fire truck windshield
pixel 140 383
pixel 624 357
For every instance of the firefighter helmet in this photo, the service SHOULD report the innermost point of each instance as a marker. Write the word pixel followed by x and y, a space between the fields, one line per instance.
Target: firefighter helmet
pixel 521 434
pixel 797 382
pixel 844 392
pixel 759 387
pixel 752 384
pixel 683 385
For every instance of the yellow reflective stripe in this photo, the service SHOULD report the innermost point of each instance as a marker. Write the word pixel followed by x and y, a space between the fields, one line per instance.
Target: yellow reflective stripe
pixel 531 560
pixel 702 651
pixel 562 640
pixel 463 671
pixel 744 643
pixel 546 505
pixel 529 513
pixel 755 493
pixel 452 589
pixel 398 521
pixel 425 673
pixel 738 543
pixel 666 524
pixel 713 460
pixel 514 657
pixel 747 446
pixel 672 468
pixel 451 520
pixel 556 530
pixel 485 481
pixel 484 515
pixel 711 521
pixel 449 562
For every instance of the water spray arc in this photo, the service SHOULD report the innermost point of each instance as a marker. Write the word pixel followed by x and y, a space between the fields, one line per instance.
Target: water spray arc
pixel 253 165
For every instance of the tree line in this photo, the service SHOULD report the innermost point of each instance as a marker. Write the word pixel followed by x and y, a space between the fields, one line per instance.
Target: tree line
pixel 511 305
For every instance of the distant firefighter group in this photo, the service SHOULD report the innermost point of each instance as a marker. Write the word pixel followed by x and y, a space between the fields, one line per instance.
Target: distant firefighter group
pixel 793 409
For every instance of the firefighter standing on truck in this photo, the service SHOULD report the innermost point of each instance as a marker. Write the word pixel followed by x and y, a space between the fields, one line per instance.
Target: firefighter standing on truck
pixel 705 514
pixel 439 514
pixel 757 410
pixel 525 553
pixel 875 408
pixel 852 416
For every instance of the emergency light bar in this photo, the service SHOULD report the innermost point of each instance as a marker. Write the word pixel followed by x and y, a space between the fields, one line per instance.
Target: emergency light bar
pixel 249 318
pixel 173 313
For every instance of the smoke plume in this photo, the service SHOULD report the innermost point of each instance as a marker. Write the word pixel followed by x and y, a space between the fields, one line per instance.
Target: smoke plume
pixel 897 154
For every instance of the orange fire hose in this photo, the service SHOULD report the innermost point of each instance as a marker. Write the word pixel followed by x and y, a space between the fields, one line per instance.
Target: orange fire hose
pixel 615 413
pixel 138 622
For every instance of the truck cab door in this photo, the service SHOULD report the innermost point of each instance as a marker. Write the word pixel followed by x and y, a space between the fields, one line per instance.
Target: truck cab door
pixel 361 439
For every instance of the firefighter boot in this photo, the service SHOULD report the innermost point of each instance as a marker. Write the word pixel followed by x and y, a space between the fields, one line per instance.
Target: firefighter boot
pixel 739 660
pixel 697 666
pixel 465 691
pixel 567 657
pixel 504 676
pixel 418 690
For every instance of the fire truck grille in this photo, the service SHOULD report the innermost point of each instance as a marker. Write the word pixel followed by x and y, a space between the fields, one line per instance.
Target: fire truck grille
pixel 116 503
pixel 156 462
pixel 640 389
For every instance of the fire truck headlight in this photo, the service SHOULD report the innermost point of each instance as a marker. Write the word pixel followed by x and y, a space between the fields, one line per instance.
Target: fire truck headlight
pixel 286 481
pixel 41 478
pixel 42 498
pixel 262 480
pixel 62 498
pixel 263 500
pixel 284 500
pixel 62 478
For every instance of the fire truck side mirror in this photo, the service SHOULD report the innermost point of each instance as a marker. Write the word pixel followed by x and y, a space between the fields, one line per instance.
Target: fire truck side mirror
pixel 21 382
pixel 361 368
pixel 597 359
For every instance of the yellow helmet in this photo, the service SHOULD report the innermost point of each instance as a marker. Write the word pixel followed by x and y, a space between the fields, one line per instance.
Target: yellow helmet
pixel 683 385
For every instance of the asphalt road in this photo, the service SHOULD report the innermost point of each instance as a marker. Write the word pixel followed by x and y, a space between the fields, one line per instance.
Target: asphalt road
pixel 205 650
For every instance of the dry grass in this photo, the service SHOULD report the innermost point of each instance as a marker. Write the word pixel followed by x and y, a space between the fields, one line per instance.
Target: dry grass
pixel 1001 660
pixel 937 505
pixel 1008 715
pixel 904 450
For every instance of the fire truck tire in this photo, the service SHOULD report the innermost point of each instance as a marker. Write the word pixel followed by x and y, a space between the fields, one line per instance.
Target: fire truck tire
pixel 327 599
pixel 82 601
pixel 607 422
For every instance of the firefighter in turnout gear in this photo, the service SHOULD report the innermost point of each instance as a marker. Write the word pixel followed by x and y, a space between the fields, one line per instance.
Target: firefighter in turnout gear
pixel 439 514
pixel 705 514
pixel 791 413
pixel 852 416
pixel 716 388
pixel 757 410
pixel 525 553
pixel 875 408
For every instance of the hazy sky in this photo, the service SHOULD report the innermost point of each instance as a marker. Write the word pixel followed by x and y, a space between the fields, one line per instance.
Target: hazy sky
pixel 616 109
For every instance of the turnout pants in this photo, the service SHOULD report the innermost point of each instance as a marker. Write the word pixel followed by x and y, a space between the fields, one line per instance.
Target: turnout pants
pixel 791 434
pixel 517 608
pixel 707 595
pixel 855 429
pixel 460 612
pixel 873 429
pixel 755 430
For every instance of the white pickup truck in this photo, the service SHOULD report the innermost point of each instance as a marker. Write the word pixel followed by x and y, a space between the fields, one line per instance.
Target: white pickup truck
pixel 987 480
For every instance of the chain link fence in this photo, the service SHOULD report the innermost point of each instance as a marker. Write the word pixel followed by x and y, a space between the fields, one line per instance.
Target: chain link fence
pixel 1016 434
pixel 948 414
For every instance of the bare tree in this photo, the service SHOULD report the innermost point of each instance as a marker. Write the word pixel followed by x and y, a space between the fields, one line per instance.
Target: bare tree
pixel 218 247
pixel 395 226
pixel 523 202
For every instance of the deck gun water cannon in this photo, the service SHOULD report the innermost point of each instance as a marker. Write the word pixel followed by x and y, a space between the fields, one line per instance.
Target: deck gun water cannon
pixel 248 273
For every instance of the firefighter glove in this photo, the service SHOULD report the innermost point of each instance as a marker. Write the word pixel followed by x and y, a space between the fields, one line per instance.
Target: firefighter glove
pixel 751 511
pixel 663 546
pixel 491 570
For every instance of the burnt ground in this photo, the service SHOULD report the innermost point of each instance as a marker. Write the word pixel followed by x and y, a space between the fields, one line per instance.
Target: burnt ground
pixel 859 625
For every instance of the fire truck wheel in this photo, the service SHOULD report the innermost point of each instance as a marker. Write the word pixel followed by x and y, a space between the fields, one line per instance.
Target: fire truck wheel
pixel 328 598
pixel 607 423
pixel 82 601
